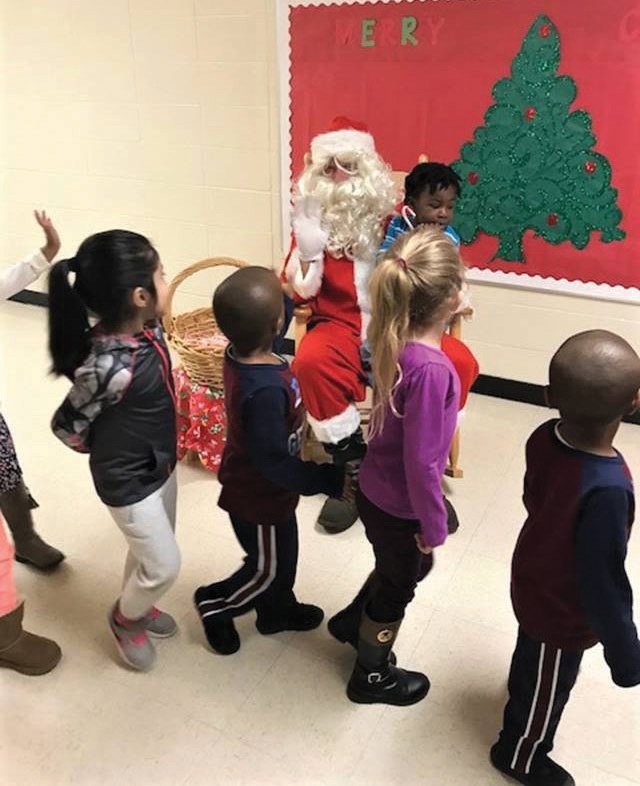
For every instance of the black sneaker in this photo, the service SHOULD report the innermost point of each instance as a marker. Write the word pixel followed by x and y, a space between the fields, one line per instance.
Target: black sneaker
pixel 300 616
pixel 545 772
pixel 222 635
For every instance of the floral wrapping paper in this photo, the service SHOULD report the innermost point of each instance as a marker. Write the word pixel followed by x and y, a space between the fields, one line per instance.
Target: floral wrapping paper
pixel 202 422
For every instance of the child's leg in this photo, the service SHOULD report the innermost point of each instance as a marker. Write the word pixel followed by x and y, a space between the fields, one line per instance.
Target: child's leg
pixel 238 593
pixel 540 682
pixel 218 603
pixel 8 594
pixel 279 597
pixel 399 564
pixel 277 607
pixel 16 504
pixel 264 582
pixel 154 558
pixel 169 495
pixel 19 650
pixel 399 567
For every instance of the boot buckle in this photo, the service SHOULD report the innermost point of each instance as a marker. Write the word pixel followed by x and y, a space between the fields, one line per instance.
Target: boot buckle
pixel 374 677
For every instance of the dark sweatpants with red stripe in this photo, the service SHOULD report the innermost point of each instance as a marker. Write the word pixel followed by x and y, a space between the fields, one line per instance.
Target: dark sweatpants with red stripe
pixel 265 580
pixel 540 683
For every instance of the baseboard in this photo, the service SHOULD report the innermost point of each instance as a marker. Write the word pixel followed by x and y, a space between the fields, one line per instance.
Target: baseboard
pixel 510 390
pixel 496 387
pixel 31 298
pixel 522 392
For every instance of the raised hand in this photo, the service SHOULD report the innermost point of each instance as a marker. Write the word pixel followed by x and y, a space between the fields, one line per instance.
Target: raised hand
pixel 52 245
pixel 311 236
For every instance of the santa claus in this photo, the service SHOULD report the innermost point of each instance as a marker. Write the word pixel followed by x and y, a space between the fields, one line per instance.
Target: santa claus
pixel 341 202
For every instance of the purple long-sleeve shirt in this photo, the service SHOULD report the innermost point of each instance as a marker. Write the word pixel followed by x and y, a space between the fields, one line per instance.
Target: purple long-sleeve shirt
pixel 404 466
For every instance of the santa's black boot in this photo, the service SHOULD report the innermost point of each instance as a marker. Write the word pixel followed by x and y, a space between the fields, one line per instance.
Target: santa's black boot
pixel 337 515
pixel 453 523
pixel 375 680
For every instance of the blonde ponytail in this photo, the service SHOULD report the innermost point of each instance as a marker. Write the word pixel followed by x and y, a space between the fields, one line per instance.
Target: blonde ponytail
pixel 416 284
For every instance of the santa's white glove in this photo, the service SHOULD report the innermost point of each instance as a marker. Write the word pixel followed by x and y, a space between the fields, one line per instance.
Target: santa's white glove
pixel 311 237
pixel 465 309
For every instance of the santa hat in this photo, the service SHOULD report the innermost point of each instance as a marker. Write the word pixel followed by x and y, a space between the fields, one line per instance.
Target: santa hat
pixel 344 136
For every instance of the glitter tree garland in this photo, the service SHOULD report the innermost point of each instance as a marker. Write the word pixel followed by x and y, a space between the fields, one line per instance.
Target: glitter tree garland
pixel 532 165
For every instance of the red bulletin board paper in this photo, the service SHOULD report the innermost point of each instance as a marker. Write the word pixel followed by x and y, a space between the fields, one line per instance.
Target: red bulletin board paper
pixel 430 98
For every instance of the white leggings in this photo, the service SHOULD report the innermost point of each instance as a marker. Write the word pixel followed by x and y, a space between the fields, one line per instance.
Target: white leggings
pixel 153 561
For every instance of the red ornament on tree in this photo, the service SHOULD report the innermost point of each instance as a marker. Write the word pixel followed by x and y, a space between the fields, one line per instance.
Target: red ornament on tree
pixel 590 167
pixel 530 113
pixel 552 220
pixel 473 178
pixel 544 31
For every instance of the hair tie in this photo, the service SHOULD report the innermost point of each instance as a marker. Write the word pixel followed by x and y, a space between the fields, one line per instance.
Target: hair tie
pixel 403 263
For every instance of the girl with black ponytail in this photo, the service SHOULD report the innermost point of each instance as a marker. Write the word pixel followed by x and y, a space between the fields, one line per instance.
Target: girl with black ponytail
pixel 105 335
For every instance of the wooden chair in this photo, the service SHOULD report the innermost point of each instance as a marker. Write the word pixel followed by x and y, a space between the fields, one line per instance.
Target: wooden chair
pixel 302 313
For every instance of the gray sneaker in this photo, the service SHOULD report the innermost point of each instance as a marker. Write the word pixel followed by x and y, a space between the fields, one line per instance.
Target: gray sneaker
pixel 133 643
pixel 159 624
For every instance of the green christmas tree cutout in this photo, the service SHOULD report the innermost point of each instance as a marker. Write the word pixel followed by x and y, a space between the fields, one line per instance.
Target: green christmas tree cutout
pixel 532 165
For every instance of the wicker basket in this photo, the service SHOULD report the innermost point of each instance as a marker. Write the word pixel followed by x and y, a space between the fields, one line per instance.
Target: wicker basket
pixel 195 335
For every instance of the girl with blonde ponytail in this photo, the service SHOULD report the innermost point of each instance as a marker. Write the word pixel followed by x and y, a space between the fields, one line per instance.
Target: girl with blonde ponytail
pixel 415 291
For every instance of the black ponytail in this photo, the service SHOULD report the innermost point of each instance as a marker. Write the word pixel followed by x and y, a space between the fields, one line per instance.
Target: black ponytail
pixel 107 268
pixel 68 321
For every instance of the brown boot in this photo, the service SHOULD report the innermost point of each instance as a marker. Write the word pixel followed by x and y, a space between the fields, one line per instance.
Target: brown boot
pixel 25 652
pixel 15 506
pixel 337 515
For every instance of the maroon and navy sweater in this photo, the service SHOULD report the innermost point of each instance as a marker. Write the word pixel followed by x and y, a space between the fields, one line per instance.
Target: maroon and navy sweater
pixel 569 586
pixel 261 473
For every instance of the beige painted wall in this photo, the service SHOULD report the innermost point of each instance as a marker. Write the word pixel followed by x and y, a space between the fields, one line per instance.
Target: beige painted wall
pixel 162 116
pixel 154 115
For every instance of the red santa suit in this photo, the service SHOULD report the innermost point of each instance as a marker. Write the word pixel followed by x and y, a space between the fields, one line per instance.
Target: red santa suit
pixel 327 363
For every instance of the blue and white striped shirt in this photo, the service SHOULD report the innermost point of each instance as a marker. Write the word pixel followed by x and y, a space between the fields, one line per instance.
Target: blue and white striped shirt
pixel 399 225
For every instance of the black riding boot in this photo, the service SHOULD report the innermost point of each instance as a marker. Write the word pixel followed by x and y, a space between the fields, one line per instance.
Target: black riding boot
pixel 374 679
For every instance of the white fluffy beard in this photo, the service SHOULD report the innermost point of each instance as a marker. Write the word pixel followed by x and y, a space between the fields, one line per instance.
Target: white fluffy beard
pixel 352 210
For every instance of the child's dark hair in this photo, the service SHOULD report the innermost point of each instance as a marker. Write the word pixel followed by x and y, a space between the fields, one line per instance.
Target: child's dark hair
pixel 247 307
pixel 431 176
pixel 593 379
pixel 107 268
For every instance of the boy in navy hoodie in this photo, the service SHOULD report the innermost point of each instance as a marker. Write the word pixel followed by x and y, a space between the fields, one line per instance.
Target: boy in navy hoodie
pixel 569 586
pixel 261 474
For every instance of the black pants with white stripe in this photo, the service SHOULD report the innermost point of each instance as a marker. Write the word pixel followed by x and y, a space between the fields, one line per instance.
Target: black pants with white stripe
pixel 265 580
pixel 540 683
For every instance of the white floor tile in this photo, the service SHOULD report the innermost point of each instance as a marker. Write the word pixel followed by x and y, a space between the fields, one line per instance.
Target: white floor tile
pixel 276 712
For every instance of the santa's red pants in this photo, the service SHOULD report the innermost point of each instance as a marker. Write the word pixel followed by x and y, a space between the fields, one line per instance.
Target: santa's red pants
pixel 329 371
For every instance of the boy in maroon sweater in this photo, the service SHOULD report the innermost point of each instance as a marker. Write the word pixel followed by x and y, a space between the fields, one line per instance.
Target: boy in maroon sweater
pixel 569 586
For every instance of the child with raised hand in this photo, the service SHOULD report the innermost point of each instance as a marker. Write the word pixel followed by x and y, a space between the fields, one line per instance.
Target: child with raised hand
pixel 16 503
pixel 569 586
pixel 261 474
pixel 121 411
pixel 414 292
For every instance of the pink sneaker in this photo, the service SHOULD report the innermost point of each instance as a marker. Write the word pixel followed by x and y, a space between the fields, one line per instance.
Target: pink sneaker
pixel 132 641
